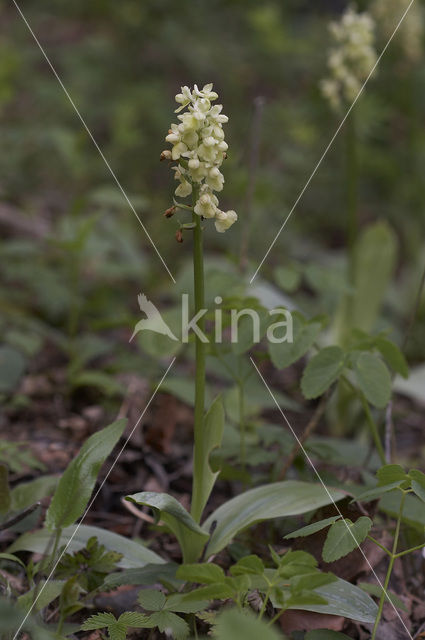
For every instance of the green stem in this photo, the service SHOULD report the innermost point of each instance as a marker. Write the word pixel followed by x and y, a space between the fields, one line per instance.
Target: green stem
pixel 198 447
pixel 411 550
pixel 374 429
pixel 387 551
pixel 352 188
pixel 242 424
pixel 390 567
pixel 265 601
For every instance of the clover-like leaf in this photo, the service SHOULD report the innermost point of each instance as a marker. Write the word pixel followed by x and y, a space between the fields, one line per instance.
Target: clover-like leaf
pixel 344 536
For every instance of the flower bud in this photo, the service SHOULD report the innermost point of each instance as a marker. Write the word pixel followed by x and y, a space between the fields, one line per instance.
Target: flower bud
pixel 170 212
pixel 179 235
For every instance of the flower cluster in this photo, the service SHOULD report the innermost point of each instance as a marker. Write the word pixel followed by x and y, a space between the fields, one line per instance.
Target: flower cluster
pixel 199 147
pixel 409 34
pixel 351 58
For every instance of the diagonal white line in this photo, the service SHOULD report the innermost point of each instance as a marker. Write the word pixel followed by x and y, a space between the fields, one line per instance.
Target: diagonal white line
pixel 94 497
pixel 118 183
pixel 322 157
pixel 319 477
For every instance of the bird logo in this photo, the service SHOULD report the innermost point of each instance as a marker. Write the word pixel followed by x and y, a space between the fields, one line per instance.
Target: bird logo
pixel 153 320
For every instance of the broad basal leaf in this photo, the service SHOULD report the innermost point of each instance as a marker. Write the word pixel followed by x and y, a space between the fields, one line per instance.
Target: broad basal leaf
pixel 47 591
pixel 344 599
pixel 166 508
pixel 135 555
pixel 275 500
pixel 77 483
pixel 344 536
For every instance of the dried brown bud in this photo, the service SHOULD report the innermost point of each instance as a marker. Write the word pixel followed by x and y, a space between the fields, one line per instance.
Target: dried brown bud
pixel 170 212
pixel 165 155
pixel 179 235
pixel 225 156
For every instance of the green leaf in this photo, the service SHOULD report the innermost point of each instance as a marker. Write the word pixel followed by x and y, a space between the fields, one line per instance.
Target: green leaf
pixel 179 521
pixel 151 599
pixel 149 574
pixel 311 528
pixel 5 499
pixel 244 339
pixel 374 379
pixel 322 370
pixel 134 553
pixel 117 631
pixel 250 565
pixel 377 492
pixel 233 624
pixel 288 278
pixel 168 620
pixel 390 473
pixel 310 581
pixel 175 602
pixel 376 590
pixel 284 354
pixel 371 277
pixel 133 619
pixel 344 536
pixel 418 483
pixel 212 437
pixel 344 599
pixel 27 493
pixel 47 592
pixel 98 621
pixel 413 510
pixel 393 355
pixel 11 558
pixel 275 500
pixel 202 573
pixel 77 483
pixel 12 366
pixel 218 591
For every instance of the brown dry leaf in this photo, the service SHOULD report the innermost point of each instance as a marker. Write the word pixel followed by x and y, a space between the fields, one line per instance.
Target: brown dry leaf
pixel 300 620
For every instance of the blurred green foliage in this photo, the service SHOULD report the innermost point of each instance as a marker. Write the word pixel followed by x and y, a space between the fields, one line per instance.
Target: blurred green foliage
pixel 122 63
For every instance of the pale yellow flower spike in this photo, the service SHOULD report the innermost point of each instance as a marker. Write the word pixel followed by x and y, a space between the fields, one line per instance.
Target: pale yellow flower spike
pixel 199 147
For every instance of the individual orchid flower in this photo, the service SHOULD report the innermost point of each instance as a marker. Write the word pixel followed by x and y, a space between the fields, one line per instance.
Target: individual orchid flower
pixel 224 220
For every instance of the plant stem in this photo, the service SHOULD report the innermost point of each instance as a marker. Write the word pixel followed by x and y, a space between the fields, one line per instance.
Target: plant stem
pixel 352 188
pixel 198 447
pixel 375 541
pixel 242 426
pixel 374 429
pixel 390 567
pixel 411 550
pixel 265 601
